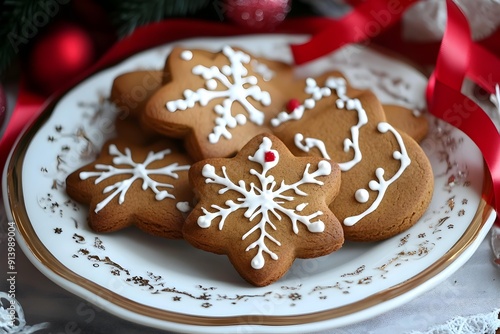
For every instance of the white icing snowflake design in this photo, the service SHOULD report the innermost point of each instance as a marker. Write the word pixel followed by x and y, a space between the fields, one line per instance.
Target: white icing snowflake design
pixel 137 171
pixel 264 201
pixel 238 87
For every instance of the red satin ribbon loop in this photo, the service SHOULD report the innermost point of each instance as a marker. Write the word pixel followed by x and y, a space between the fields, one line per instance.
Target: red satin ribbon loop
pixel 453 58
pixel 460 111
pixel 460 56
pixel 366 21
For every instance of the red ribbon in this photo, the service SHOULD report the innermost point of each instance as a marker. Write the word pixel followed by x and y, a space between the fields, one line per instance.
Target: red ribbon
pixel 367 20
pixel 459 57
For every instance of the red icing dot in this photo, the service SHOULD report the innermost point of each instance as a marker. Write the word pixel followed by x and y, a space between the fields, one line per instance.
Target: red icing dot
pixel 269 157
pixel 292 105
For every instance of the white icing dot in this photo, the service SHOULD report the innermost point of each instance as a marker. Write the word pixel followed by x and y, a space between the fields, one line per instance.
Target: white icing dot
pixel 397 155
pixel 183 207
pixel 186 55
pixel 240 119
pixel 373 185
pixel 203 222
pixel 171 106
pixel 208 170
pixel 211 84
pixel 383 127
pixel 309 103
pixel 379 172
pixel 362 195
pixel 258 261
pixel 252 80
pixel 324 167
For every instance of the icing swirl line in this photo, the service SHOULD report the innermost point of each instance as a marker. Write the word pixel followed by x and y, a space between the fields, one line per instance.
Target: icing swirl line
pixel 343 102
pixel 382 184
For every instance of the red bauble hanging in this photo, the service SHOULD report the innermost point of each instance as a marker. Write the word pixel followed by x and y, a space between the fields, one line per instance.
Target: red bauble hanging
pixel 262 15
pixel 59 55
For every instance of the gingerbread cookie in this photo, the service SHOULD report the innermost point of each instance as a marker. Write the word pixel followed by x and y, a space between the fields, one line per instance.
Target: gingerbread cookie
pixel 216 102
pixel 132 131
pixel 264 208
pixel 145 185
pixel 131 91
pixel 387 180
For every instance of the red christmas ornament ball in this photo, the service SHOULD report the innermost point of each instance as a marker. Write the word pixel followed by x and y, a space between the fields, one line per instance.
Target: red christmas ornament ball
pixel 257 14
pixel 60 55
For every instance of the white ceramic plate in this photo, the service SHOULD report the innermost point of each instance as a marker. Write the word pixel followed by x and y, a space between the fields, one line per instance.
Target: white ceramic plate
pixel 170 285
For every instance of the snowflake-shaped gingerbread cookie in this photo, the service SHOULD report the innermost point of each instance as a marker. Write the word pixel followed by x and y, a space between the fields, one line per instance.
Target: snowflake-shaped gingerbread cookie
pixel 145 185
pixel 216 101
pixel 264 208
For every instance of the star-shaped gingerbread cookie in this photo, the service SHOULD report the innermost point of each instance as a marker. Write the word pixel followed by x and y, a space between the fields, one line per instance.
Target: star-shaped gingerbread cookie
pixel 264 208
pixel 133 183
pixel 216 101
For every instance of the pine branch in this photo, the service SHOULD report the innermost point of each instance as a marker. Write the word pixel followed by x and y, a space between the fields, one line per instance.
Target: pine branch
pixel 128 15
